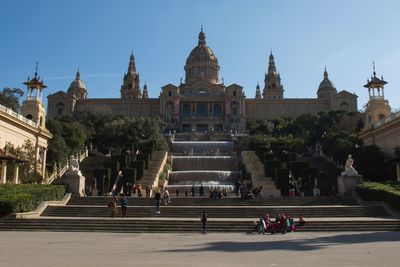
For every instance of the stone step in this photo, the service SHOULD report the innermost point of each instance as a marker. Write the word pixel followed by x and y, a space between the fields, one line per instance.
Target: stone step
pixel 228 201
pixel 142 226
pixel 218 212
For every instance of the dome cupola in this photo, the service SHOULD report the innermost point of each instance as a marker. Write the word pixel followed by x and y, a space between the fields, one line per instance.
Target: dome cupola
pixel 78 87
pixel 326 87
pixel 202 64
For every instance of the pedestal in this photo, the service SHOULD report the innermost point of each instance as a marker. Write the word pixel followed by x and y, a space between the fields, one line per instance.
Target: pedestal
pixel 347 184
pixel 75 182
pixel 95 192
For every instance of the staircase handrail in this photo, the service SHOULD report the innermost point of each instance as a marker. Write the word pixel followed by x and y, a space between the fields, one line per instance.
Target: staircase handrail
pixel 331 160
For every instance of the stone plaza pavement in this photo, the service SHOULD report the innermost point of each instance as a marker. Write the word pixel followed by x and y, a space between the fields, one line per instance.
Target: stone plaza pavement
pixel 232 249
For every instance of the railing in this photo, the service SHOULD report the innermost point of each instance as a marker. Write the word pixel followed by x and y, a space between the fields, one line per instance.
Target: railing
pixel 331 160
pixel 17 116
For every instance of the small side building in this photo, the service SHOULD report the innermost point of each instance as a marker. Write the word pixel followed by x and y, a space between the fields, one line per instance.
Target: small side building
pixel 29 124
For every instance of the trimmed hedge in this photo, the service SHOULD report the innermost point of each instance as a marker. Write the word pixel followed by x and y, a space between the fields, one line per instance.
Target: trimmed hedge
pixel 387 191
pixel 145 158
pixel 26 197
pixel 103 180
pixel 139 166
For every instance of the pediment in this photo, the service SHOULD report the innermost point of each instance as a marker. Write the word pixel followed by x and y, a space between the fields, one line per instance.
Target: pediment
pixel 346 94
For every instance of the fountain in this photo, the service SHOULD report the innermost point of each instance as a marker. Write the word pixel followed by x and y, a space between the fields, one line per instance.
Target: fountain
pixel 203 163
pixel 202 147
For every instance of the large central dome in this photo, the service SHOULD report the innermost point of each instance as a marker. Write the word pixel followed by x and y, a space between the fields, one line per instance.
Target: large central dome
pixel 202 64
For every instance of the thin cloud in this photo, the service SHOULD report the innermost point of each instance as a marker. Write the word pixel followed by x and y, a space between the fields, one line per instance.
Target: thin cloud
pixel 334 56
pixel 389 61
pixel 93 75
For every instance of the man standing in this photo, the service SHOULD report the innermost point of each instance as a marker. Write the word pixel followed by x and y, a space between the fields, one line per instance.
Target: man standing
pixel 157 196
pixel 204 222
pixel 124 206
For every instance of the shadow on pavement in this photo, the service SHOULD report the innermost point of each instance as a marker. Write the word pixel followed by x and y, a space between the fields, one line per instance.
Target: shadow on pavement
pixel 295 244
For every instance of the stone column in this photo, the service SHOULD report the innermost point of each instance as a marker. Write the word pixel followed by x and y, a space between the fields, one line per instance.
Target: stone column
pixel 3 176
pixel 16 174
pixel 44 162
pixel 398 170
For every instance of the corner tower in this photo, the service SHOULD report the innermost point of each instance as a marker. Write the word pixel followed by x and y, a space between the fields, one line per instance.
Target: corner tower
pixel 32 108
pixel 273 89
pixel 131 84
pixel 377 107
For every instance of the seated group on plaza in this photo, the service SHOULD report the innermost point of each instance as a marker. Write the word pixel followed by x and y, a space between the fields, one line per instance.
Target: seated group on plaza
pixel 282 224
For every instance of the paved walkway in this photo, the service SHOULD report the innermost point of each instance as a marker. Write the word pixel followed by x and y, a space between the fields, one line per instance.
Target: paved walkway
pixel 105 249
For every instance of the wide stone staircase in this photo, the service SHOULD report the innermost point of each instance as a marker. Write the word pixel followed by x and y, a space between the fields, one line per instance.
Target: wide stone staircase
pixel 231 214
pixel 256 168
pixel 156 165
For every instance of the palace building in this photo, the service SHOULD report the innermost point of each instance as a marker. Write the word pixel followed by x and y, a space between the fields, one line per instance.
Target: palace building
pixel 202 102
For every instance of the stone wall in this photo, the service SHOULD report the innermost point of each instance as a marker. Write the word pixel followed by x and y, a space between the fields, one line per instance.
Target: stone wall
pixel 263 109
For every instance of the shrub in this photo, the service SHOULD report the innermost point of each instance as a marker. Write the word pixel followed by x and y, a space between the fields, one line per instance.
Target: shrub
pixel 386 191
pixel 26 197
pixel 162 176
pixel 167 167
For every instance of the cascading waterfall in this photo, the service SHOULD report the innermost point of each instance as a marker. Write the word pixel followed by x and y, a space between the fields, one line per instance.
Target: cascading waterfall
pixel 207 163
pixel 205 148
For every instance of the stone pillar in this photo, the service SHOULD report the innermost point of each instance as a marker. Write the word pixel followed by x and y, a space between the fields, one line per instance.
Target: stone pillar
pixel 347 184
pixel 398 170
pixel 44 162
pixel 16 174
pixel 3 176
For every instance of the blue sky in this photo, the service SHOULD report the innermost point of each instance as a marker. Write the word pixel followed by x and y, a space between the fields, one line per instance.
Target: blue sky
pixel 98 37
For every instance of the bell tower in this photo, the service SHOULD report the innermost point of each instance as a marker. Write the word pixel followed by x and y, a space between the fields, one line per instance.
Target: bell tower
pixel 131 83
pixel 377 107
pixel 273 89
pixel 32 108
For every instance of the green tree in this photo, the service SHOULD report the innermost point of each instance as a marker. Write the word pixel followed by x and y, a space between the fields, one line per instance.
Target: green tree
pixel 69 136
pixel 28 172
pixel 9 97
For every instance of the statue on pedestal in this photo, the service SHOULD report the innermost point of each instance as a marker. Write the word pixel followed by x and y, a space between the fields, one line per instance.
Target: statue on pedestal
pixel 73 166
pixel 348 168
pixel 74 178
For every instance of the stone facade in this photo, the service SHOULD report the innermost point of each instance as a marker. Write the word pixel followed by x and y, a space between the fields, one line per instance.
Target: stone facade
pixel 382 127
pixel 202 102
pixel 16 128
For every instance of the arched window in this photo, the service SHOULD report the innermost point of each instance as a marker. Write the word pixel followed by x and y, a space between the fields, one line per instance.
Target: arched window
pixel 186 111
pixel 381 116
pixel 234 93
pixel 169 112
pixel 202 110
pixel 344 105
pixel 60 108
pixel 29 116
pixel 217 110
pixel 169 93
pixel 235 108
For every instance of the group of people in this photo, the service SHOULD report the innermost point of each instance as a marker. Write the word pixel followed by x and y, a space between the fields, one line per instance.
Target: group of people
pixel 137 189
pixel 113 205
pixel 301 187
pixel 214 193
pixel 281 224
